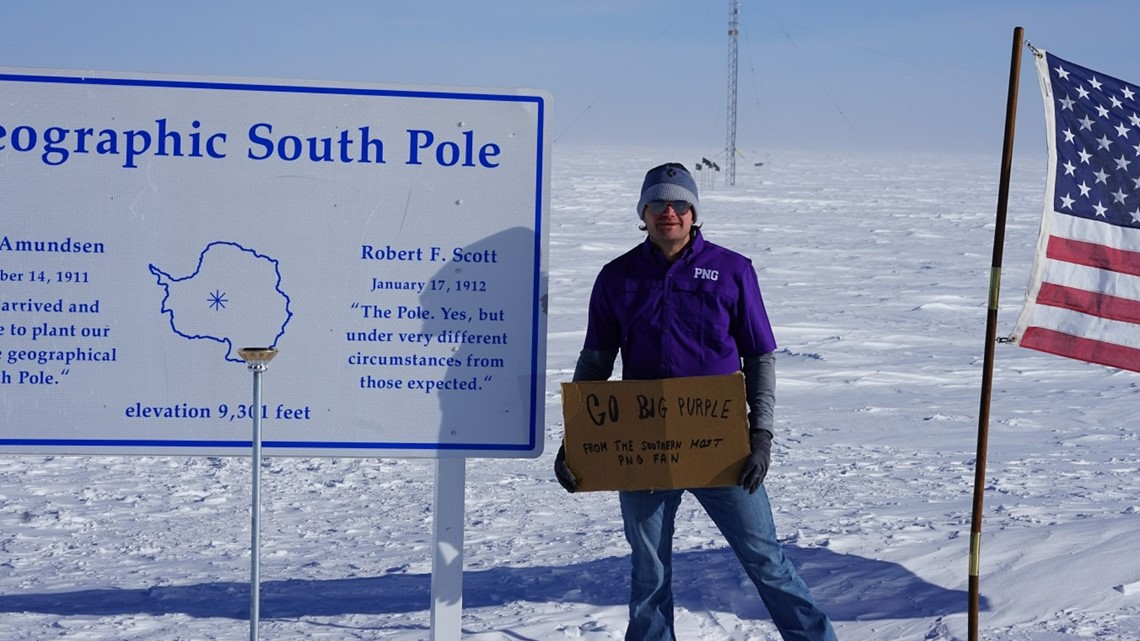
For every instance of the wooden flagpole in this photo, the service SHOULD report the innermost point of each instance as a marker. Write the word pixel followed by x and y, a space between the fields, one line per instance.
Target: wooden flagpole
pixel 991 334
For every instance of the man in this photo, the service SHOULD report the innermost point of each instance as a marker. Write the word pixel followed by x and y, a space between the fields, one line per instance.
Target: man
pixel 677 305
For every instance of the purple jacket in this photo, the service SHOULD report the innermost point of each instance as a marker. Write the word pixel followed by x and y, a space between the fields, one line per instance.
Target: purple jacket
pixel 695 317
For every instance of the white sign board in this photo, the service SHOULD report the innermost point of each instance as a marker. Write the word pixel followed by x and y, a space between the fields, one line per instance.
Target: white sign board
pixel 389 241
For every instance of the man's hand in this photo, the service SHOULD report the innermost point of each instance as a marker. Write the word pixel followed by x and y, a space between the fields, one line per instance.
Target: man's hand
pixel 756 467
pixel 562 471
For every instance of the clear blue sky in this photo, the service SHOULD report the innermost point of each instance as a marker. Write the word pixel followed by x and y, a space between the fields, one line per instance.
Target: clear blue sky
pixel 819 74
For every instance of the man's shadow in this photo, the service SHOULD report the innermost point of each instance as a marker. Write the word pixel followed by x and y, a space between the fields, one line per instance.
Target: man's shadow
pixel 847 587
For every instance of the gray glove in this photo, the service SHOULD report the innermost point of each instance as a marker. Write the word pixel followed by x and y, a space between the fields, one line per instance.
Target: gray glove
pixel 756 467
pixel 562 471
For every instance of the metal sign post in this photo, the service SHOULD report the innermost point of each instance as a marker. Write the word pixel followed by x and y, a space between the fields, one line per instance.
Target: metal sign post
pixel 257 359
pixel 447 561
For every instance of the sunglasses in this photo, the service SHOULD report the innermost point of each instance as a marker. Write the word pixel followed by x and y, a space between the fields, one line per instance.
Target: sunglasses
pixel 657 207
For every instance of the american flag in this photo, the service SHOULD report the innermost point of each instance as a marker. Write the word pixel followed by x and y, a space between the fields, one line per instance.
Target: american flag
pixel 1083 300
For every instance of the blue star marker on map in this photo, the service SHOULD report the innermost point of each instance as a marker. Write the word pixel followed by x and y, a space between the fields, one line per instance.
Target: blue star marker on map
pixel 218 300
pixel 246 305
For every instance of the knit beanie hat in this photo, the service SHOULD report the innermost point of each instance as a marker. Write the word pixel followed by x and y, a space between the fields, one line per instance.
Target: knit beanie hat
pixel 670 181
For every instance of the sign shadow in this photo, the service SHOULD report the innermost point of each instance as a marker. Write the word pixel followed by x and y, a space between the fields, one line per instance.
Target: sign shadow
pixel 848 587
pixel 485 314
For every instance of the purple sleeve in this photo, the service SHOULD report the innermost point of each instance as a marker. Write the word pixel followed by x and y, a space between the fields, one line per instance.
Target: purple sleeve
pixel 753 331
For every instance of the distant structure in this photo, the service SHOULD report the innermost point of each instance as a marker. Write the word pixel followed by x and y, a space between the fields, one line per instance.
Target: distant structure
pixel 708 179
pixel 730 144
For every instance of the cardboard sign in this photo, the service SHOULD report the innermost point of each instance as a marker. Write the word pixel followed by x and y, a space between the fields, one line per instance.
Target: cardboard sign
pixel 659 434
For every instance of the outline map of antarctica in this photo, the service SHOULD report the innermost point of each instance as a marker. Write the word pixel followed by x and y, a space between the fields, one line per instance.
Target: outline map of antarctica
pixel 233 297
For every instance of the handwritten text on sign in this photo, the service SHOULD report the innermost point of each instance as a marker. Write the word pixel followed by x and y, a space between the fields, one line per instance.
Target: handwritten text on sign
pixel 658 434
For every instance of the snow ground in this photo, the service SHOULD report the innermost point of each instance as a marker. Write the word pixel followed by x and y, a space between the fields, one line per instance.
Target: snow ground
pixel 875 270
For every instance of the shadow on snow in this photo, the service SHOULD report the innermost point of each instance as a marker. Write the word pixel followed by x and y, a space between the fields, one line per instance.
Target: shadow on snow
pixel 848 587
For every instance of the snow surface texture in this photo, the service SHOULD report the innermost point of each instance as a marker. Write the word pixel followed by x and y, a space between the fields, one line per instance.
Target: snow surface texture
pixel 875 271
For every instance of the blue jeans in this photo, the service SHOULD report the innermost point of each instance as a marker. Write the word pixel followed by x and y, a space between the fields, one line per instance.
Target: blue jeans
pixel 745 520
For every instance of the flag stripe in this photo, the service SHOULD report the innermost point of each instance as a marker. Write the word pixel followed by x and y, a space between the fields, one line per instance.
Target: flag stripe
pixel 1094 255
pixel 1085 349
pixel 1079 324
pixel 1091 279
pixel 1096 304
pixel 1093 231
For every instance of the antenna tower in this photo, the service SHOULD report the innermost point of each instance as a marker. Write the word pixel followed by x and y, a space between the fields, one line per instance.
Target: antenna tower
pixel 730 141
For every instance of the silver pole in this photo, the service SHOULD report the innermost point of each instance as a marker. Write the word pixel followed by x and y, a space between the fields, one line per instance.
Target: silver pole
pixel 257 360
